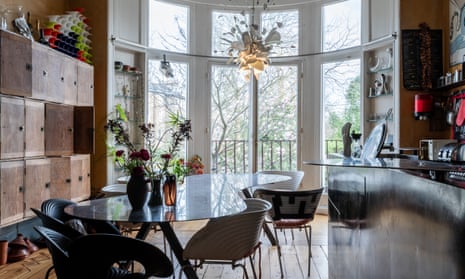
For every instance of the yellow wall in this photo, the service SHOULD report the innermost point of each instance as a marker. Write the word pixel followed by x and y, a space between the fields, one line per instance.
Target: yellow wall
pixel 436 14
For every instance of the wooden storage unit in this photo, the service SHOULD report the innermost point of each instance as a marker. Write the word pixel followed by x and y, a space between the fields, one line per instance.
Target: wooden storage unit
pixel 59 123
pixel 15 64
pixel 36 184
pixel 12 191
pixel 34 128
pixel 12 127
pixel 70 177
pixel 40 89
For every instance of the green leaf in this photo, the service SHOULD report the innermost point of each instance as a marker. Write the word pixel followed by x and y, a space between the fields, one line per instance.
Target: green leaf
pixel 121 112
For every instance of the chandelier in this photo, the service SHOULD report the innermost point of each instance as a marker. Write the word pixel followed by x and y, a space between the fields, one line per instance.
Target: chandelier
pixel 248 46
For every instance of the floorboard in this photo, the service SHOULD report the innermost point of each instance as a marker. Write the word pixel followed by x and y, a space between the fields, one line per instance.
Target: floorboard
pixel 295 256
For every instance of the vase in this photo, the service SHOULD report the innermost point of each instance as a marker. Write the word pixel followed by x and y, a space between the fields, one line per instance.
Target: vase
pixel 137 191
pixel 156 197
pixel 169 190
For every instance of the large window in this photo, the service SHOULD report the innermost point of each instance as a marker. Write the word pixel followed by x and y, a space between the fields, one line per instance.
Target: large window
pixel 254 123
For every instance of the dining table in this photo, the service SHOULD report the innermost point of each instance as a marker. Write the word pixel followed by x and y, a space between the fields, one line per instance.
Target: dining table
pixel 199 197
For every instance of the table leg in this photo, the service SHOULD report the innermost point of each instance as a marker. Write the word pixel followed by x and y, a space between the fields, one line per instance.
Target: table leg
pixel 269 234
pixel 177 249
pixel 144 230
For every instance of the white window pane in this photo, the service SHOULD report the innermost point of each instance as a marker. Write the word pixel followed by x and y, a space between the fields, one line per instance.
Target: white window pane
pixel 168 28
pixel 226 28
pixel 289 31
pixel 341 25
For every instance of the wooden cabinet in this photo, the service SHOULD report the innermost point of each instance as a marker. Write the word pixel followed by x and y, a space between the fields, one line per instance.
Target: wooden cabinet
pixel 12 127
pixel 15 64
pixel 70 177
pixel 36 184
pixel 83 130
pixel 48 82
pixel 80 177
pixel 44 97
pixel 12 196
pixel 59 129
pixel 34 128
pixel 85 84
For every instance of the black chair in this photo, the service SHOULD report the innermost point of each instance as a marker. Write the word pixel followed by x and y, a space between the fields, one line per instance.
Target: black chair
pixel 93 256
pixel 56 208
pixel 57 224
pixel 292 210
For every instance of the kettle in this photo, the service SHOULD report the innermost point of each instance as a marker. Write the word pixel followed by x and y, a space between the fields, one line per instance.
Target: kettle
pixel 458 154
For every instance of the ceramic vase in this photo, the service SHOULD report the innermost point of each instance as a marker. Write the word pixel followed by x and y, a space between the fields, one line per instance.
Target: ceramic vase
pixel 156 197
pixel 169 190
pixel 137 191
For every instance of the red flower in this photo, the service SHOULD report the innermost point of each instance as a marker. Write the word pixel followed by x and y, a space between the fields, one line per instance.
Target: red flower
pixel 166 156
pixel 144 154
pixel 119 153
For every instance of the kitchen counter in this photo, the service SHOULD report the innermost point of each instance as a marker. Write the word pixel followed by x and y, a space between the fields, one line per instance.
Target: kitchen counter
pixel 388 221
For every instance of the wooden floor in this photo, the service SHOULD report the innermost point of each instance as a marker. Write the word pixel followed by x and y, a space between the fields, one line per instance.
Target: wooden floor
pixel 294 256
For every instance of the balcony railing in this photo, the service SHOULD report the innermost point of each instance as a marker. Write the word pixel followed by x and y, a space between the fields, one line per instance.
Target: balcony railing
pixel 233 155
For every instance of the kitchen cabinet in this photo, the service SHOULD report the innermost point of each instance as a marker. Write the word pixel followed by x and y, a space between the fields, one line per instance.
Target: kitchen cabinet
pixel 48 82
pixel 83 130
pixel 36 184
pixel 69 79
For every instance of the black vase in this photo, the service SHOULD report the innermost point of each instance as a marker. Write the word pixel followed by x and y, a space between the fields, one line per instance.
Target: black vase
pixel 169 190
pixel 155 198
pixel 137 191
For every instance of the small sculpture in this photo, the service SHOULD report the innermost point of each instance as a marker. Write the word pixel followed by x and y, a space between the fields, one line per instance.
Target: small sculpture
pixel 346 139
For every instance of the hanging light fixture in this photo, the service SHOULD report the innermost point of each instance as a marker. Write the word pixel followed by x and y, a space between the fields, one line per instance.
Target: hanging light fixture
pixel 165 68
pixel 248 46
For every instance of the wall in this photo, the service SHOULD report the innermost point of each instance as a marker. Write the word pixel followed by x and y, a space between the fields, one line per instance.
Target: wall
pixel 436 15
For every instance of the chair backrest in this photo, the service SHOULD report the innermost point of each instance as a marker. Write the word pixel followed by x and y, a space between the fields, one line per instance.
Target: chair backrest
pixel 56 224
pixel 56 208
pixel 291 204
pixel 58 245
pixel 230 237
pixel 292 184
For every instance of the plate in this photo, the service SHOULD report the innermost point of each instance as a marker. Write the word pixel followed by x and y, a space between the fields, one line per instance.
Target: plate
pixel 374 142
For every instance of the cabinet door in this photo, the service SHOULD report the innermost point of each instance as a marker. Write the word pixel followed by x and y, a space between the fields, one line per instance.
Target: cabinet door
pixel 69 74
pixel 12 197
pixel 83 130
pixel 58 130
pixel 46 72
pixel 36 184
pixel 12 127
pixel 60 177
pixel 35 128
pixel 80 177
pixel 85 86
pixel 381 18
pixel 15 65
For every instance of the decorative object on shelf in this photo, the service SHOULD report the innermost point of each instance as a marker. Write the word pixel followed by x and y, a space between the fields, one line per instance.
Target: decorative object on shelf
pixel 137 190
pixel 250 47
pixel 169 190
pixel 346 140
pixel 423 106
pixel 156 196
pixel 165 68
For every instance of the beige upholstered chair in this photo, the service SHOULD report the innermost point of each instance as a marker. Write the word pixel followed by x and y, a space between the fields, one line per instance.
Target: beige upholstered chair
pixel 292 210
pixel 230 239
